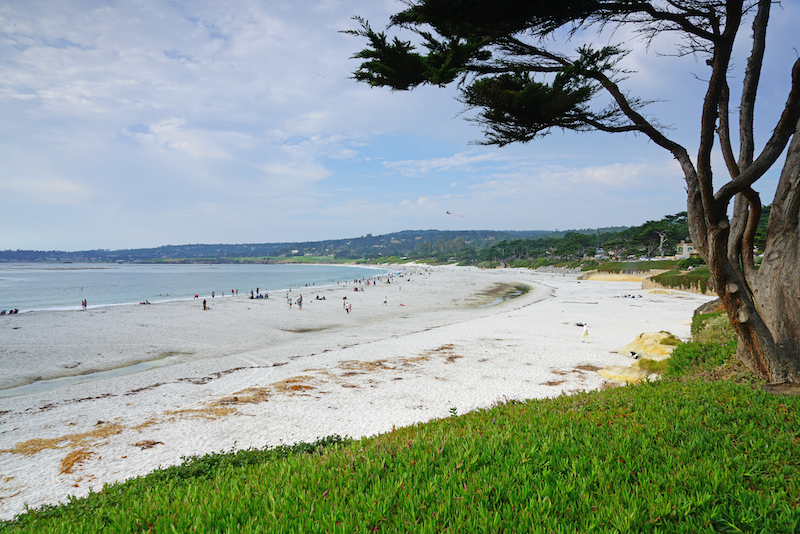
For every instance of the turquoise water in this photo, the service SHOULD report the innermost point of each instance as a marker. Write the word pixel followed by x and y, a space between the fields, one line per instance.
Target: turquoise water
pixel 36 286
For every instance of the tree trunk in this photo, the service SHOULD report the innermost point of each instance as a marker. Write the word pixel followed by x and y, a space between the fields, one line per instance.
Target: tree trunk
pixel 776 285
pixel 763 305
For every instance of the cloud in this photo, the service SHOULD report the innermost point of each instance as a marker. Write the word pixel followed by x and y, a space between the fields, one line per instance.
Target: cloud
pixel 54 190
pixel 463 161
pixel 171 134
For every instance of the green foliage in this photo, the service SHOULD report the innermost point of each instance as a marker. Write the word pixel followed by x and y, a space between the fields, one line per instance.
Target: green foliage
pixel 713 327
pixel 760 240
pixel 115 499
pixel 210 465
pixel 694 261
pixel 670 340
pixel 693 357
pixel 635 266
pixel 713 345
pixel 697 279
pixel 663 456
pixel 653 366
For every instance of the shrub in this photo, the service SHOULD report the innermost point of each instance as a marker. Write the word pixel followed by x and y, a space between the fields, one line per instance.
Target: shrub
pixel 653 366
pixel 697 279
pixel 694 356
pixel 694 261
pixel 670 340
pixel 716 329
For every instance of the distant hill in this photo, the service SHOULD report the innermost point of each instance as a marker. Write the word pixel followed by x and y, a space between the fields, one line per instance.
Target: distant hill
pixel 367 246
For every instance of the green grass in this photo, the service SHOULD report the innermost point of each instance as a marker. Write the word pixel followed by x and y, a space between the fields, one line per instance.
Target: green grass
pixel 665 456
pixel 653 366
pixel 713 347
pixel 636 266
pixel 698 279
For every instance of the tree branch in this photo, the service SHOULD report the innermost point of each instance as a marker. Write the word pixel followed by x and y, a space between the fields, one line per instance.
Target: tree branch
pixel 644 126
pixel 750 86
pixel 680 20
pixel 786 126
pixel 724 133
pixel 716 84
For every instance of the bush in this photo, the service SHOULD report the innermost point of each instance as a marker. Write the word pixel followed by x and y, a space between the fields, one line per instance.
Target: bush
pixel 693 357
pixel 713 345
pixel 716 329
pixel 694 261
pixel 653 366
pixel 670 340
pixel 635 266
pixel 697 279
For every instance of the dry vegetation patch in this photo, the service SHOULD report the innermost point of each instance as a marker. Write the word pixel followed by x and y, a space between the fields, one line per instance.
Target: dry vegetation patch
pixel 73 459
pixel 292 385
pixel 32 446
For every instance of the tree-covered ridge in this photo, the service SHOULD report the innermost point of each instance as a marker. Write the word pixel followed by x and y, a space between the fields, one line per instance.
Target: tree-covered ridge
pixel 467 247
pixel 397 243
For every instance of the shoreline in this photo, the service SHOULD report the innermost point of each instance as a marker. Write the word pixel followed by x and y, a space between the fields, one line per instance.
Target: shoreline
pixel 160 299
pixel 255 374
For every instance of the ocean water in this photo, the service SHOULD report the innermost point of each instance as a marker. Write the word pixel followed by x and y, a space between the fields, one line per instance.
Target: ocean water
pixel 37 286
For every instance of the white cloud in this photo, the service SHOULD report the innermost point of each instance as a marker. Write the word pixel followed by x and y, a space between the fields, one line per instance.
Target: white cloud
pixel 463 161
pixel 52 190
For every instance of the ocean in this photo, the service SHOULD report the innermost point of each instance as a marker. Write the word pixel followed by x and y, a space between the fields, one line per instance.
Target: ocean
pixel 37 286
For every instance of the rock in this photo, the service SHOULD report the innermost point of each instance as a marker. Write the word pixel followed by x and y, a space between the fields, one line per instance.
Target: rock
pixel 710 306
pixel 648 346
pixel 623 374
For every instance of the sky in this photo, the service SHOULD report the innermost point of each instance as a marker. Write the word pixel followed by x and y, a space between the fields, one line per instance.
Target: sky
pixel 135 124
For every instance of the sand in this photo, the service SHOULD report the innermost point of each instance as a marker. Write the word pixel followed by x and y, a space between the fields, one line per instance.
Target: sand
pixel 255 373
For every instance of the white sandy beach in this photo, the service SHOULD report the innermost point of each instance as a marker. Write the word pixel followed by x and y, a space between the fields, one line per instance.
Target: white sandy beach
pixel 253 373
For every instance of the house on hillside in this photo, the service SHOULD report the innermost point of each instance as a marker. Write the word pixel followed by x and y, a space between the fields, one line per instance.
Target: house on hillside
pixel 685 250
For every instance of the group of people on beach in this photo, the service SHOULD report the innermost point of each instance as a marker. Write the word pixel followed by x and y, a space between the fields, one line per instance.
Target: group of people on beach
pixel 10 312
pixel 372 281
pixel 257 294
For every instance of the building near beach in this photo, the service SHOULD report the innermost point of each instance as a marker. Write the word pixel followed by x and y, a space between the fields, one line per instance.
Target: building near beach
pixel 685 250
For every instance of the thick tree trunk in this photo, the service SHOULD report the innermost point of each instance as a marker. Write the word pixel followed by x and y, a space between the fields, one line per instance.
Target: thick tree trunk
pixel 776 285
pixel 763 305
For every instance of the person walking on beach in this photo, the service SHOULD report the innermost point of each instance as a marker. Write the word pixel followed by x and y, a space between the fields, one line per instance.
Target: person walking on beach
pixel 585 335
pixel 204 304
